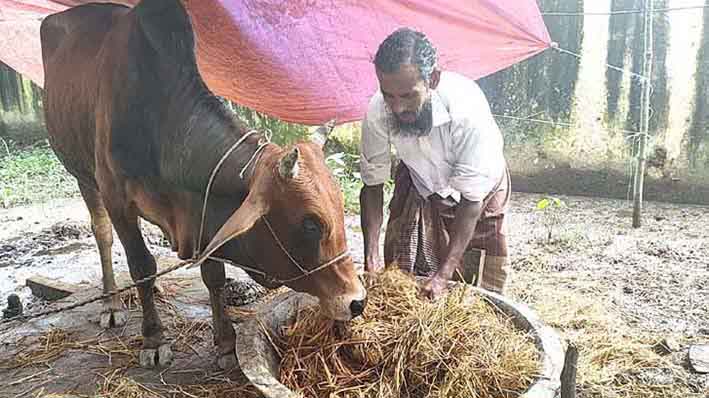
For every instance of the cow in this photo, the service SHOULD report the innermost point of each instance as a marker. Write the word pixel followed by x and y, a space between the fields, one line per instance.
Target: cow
pixel 130 117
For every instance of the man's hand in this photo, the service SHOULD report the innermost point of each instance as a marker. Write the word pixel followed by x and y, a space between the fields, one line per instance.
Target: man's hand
pixel 466 217
pixel 438 283
pixel 434 287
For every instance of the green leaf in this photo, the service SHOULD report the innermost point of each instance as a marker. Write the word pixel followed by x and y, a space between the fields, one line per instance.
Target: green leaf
pixel 543 204
pixel 337 158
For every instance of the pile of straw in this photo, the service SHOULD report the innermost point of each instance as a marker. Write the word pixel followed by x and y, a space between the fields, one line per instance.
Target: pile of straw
pixel 615 359
pixel 407 347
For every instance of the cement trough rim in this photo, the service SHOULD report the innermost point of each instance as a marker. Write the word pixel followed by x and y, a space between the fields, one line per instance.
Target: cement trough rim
pixel 259 361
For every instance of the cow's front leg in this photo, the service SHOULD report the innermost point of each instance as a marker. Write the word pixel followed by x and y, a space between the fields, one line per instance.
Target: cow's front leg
pixel 113 314
pixel 155 351
pixel 224 337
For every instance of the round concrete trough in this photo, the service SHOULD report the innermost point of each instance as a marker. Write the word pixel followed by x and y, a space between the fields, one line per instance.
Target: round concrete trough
pixel 260 362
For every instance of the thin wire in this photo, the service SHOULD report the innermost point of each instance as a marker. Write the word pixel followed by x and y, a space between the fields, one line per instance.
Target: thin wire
pixel 638 76
pixel 21 19
pixel 631 134
pixel 621 12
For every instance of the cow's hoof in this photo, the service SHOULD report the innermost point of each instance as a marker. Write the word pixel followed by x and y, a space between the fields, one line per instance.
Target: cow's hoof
pixel 151 358
pixel 227 361
pixel 113 318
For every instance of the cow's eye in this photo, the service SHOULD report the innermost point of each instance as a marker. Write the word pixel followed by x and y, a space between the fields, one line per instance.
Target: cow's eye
pixel 311 228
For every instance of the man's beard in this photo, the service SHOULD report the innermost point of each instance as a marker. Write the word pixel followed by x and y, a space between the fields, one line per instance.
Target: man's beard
pixel 421 126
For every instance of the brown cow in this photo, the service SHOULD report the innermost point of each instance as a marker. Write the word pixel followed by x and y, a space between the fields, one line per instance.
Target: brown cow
pixel 130 117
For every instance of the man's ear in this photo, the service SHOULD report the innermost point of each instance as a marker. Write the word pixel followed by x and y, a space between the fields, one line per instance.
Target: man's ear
pixel 435 79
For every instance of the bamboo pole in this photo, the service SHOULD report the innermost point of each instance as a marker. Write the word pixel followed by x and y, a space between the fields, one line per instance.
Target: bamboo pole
pixel 639 180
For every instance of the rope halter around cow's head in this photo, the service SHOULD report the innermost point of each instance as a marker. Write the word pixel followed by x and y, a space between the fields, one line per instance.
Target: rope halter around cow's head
pixel 252 210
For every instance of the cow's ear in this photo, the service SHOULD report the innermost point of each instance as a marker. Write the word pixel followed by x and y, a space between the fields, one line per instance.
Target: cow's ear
pixel 253 208
pixel 321 135
pixel 288 165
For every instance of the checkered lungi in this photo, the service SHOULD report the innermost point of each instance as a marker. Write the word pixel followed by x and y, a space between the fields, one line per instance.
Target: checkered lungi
pixel 417 232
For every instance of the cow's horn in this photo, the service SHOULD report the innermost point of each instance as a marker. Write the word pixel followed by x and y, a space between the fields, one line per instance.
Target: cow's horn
pixel 321 135
pixel 288 166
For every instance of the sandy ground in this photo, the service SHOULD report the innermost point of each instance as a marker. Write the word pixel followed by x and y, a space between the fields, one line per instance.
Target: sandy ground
pixel 650 283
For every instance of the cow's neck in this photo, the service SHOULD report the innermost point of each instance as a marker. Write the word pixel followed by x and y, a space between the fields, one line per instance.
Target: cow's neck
pixel 207 132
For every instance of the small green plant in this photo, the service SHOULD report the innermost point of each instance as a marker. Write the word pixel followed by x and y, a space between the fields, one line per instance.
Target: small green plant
pixel 341 166
pixel 283 133
pixel 551 209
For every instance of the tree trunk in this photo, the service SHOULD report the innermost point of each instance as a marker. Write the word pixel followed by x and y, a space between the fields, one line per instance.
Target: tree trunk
pixel 698 137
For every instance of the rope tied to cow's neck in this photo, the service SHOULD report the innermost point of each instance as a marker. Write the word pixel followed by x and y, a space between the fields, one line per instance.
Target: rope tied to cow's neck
pixel 262 143
pixel 265 140
pixel 197 258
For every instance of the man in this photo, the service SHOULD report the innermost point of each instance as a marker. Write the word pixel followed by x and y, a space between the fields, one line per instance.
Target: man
pixel 451 185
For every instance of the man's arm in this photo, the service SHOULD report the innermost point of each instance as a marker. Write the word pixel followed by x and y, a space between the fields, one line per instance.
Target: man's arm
pixel 466 218
pixel 371 200
pixel 477 147
pixel 375 169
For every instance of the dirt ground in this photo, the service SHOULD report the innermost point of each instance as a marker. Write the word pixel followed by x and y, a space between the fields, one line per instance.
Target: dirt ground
pixel 633 301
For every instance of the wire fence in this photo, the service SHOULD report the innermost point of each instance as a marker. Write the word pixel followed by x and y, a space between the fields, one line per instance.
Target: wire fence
pixel 621 12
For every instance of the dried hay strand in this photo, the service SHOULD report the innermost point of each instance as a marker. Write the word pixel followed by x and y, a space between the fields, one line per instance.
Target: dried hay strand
pixel 614 360
pixel 407 347
pixel 53 344
pixel 188 333
pixel 117 385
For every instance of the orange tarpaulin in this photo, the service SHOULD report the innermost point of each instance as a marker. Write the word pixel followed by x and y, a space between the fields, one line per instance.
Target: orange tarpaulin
pixel 309 61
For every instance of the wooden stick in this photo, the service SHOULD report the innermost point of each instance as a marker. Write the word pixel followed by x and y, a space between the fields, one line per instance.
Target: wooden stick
pixel 568 374
pixel 639 180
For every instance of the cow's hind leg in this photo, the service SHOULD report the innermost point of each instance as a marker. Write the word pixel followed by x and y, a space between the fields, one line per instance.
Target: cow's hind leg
pixel 224 337
pixel 113 314
pixel 142 264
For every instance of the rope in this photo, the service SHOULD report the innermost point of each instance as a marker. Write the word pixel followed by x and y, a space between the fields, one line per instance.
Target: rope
pixel 97 298
pixel 194 260
pixel 262 143
pixel 278 241
pixel 209 185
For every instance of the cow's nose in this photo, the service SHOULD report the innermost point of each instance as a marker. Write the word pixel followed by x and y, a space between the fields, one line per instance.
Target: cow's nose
pixel 357 307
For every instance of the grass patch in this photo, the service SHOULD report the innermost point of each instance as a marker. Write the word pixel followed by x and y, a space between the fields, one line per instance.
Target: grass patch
pixel 344 166
pixel 32 174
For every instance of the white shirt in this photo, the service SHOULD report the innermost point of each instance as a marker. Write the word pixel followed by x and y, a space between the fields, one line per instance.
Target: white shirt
pixel 462 155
